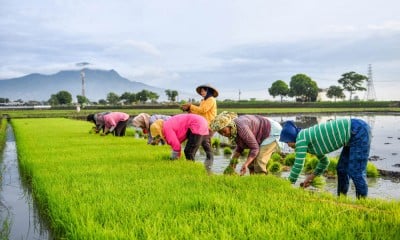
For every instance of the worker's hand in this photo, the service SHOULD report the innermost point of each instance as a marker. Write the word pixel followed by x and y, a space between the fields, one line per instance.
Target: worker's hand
pixel 186 106
pixel 307 182
pixel 175 155
pixel 243 170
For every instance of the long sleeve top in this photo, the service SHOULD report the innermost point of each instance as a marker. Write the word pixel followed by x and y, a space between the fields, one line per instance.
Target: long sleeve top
pixel 175 129
pixel 113 118
pixel 207 109
pixel 251 131
pixel 99 118
pixel 319 140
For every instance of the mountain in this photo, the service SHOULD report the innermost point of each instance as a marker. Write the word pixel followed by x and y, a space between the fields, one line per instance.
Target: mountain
pixel 98 83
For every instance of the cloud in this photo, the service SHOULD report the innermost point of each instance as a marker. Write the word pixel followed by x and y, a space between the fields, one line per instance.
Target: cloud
pixel 130 46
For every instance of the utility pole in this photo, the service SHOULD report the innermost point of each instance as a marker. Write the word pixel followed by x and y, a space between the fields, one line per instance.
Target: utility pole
pixel 370 95
pixel 239 94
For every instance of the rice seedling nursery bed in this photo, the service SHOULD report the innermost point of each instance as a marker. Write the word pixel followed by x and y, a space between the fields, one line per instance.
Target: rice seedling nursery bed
pixel 92 187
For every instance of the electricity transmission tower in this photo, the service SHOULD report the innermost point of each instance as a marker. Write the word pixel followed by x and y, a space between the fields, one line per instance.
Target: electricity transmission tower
pixel 370 95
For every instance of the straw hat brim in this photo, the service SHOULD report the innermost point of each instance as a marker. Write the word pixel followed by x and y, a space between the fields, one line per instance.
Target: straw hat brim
pixel 215 92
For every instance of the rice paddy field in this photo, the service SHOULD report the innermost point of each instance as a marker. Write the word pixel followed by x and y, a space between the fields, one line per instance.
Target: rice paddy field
pixel 92 187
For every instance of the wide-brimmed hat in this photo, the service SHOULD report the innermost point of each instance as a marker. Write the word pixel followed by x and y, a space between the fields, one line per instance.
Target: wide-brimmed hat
pixel 289 132
pixel 156 128
pixel 215 92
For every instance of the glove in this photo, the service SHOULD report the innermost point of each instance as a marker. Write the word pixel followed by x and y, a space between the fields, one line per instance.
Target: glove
pixel 175 155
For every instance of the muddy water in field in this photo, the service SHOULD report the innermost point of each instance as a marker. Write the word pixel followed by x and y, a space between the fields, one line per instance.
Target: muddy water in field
pixel 384 153
pixel 18 216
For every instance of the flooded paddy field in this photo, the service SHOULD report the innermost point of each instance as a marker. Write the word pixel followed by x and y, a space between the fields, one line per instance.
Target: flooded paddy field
pixel 384 153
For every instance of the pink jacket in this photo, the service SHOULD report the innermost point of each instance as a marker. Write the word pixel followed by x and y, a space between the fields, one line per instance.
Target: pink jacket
pixel 112 119
pixel 175 129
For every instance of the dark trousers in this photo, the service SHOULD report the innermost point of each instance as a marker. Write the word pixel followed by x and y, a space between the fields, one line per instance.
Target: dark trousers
pixel 120 129
pixel 354 158
pixel 206 144
pixel 192 145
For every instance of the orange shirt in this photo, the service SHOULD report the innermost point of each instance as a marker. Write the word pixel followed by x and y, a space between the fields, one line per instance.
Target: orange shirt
pixel 207 109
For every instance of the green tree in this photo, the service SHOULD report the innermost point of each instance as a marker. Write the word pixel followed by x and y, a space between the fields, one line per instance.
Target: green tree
pixel 4 100
pixel 143 96
pixel 352 82
pixel 102 102
pixel 112 98
pixel 335 92
pixel 153 97
pixel 61 98
pixel 128 97
pixel 171 94
pixel 303 87
pixel 82 100
pixel 279 88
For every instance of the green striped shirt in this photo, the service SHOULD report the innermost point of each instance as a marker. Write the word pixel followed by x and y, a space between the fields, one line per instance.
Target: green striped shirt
pixel 319 140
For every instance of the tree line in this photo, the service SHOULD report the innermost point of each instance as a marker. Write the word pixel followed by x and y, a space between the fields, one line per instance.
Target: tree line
pixel 65 98
pixel 304 89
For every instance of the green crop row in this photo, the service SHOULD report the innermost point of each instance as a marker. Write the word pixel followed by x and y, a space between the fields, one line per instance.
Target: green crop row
pixel 92 187
pixel 3 133
pixel 132 110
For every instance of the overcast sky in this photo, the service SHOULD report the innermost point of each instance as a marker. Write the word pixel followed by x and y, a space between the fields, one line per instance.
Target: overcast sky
pixel 233 45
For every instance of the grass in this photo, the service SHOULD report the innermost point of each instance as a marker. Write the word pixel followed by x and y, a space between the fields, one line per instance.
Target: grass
pixel 92 187
pixel 132 110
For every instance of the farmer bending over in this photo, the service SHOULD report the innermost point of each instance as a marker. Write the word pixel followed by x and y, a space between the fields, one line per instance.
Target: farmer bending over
pixel 353 135
pixel 177 129
pixel 257 133
pixel 115 122
pixel 144 120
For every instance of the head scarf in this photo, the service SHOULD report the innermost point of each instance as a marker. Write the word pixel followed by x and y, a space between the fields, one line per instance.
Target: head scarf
pixel 289 132
pixel 156 128
pixel 225 119
pixel 142 121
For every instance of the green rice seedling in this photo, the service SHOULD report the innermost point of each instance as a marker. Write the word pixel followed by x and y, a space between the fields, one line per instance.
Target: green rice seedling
pixel 227 150
pixel 310 163
pixel 289 159
pixel 372 170
pixel 318 182
pixel 230 169
pixel 331 170
pixel 276 157
pixel 215 142
pixel 92 187
pixel 274 167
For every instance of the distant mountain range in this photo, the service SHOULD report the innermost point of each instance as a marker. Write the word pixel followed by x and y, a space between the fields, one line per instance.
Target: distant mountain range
pixel 98 83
